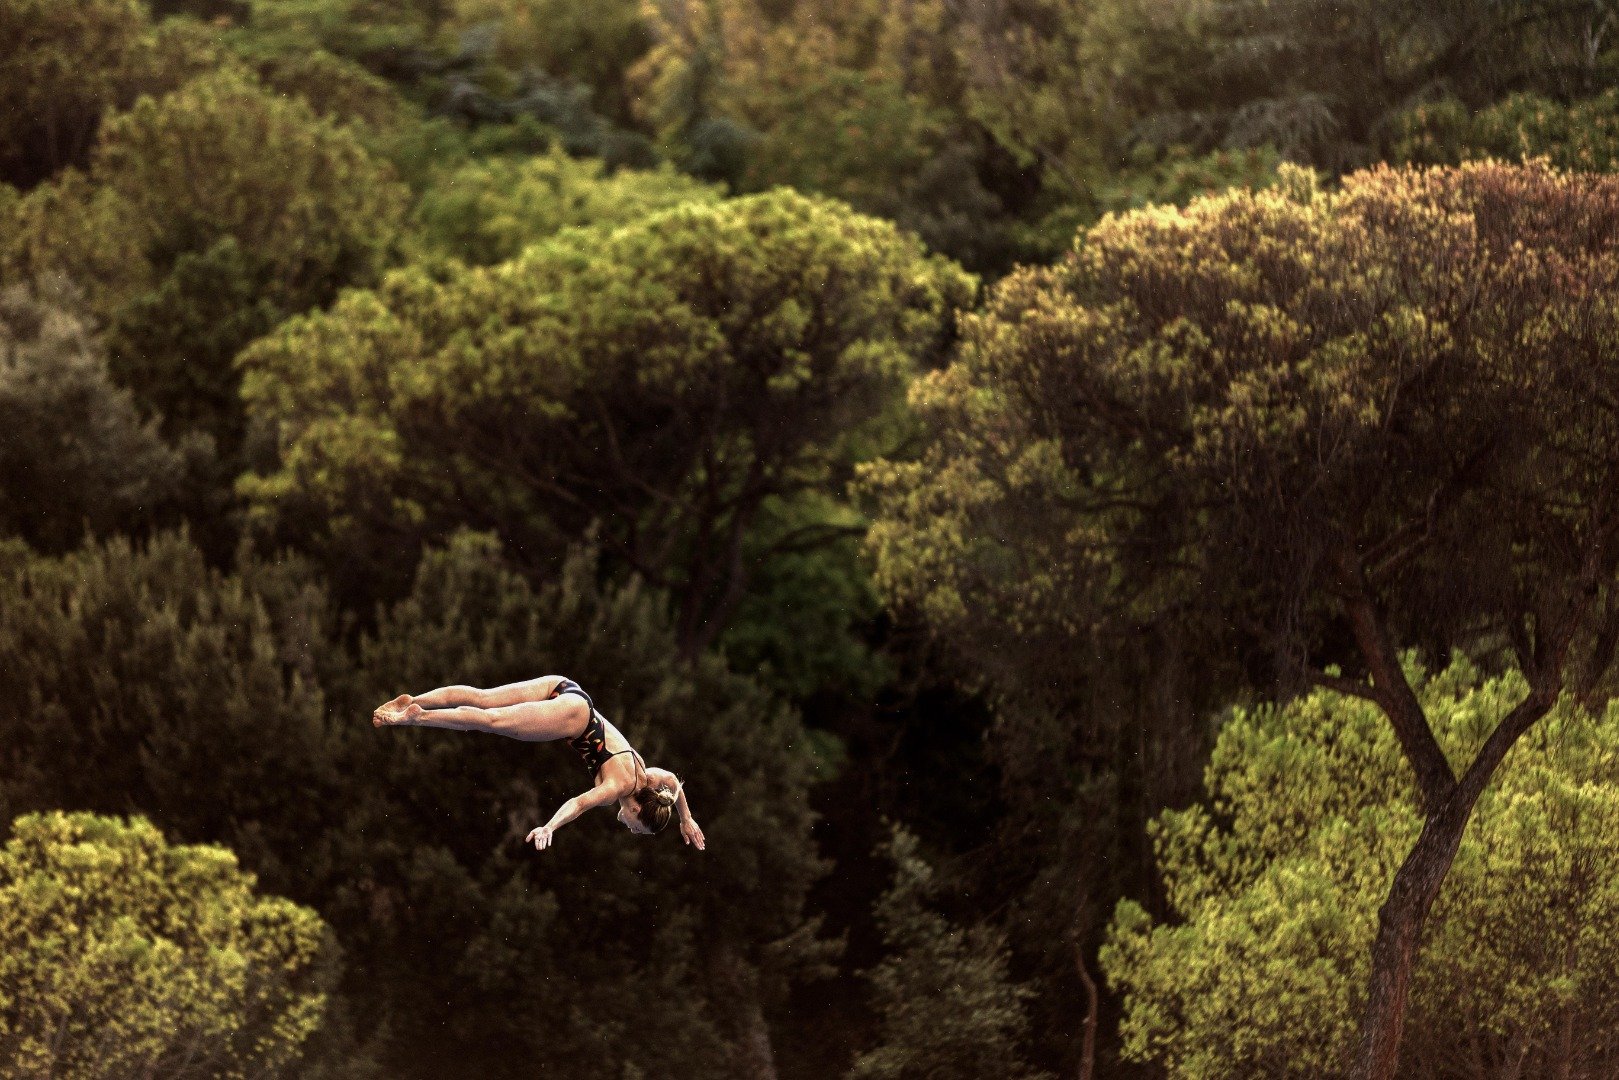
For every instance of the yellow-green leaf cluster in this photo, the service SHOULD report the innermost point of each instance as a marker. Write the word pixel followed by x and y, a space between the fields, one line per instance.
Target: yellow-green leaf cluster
pixel 181 172
pixel 488 211
pixel 1275 884
pixel 123 955
pixel 63 66
pixel 1583 134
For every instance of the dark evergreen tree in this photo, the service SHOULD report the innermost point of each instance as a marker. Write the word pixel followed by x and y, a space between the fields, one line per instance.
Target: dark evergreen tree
pixel 948 1006
pixel 75 455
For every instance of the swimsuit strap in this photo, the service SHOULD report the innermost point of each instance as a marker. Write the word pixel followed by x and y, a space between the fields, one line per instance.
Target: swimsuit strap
pixel 638 757
pixel 587 746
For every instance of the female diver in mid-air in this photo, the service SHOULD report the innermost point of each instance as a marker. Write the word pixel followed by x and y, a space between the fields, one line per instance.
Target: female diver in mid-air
pixel 543 710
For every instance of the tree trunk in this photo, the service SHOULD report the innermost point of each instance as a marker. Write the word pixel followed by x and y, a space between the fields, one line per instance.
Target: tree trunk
pixel 1087 1050
pixel 1416 886
pixel 1447 802
pixel 1399 932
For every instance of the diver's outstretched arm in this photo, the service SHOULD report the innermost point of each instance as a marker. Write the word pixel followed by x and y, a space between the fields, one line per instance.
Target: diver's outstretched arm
pixel 596 796
pixel 689 829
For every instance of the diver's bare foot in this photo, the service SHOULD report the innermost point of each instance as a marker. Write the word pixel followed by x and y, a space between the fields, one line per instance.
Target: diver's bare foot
pixel 393 712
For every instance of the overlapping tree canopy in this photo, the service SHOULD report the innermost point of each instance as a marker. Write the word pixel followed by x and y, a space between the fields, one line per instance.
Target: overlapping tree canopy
pixel 667 378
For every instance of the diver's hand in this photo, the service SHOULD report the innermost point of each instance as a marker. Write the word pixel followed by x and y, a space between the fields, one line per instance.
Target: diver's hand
pixel 692 833
pixel 541 836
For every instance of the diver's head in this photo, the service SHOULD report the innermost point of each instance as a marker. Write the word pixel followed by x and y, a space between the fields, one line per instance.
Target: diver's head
pixel 647 811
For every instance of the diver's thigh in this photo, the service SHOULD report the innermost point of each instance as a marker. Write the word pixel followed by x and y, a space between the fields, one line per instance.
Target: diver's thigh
pixel 562 717
pixel 518 692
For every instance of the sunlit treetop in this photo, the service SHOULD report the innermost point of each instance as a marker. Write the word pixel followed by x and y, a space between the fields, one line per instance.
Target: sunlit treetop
pixel 667 377
pixel 64 66
pixel 1262 404
pixel 125 956
pixel 488 211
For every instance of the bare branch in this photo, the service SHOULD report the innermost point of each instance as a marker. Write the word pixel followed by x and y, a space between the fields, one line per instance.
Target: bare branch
pixel 1435 780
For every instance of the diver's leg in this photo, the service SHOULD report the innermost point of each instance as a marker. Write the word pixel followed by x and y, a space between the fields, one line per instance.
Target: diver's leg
pixel 445 697
pixel 517 693
pixel 532 721
pixel 448 697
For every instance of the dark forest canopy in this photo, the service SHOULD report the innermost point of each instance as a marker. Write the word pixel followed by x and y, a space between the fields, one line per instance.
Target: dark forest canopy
pixel 936 431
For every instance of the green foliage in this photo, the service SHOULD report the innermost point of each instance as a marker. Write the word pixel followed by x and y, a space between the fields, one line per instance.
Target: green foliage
pixel 177 340
pixel 1156 470
pixel 423 151
pixel 207 10
pixel 228 708
pixel 812 593
pixel 1326 84
pixel 855 101
pixel 836 131
pixel 189 248
pixel 487 211
pixel 334 87
pixel 64 66
pixel 121 955
pixel 181 173
pixel 666 378
pixel 1059 84
pixel 186 167
pixel 1198 409
pixel 1580 135
pixel 592 43
pixel 172 689
pixel 375 33
pixel 484 62
pixel 74 452
pixel 1276 883
pixel 1294 75
pixel 1177 176
pixel 1129 501
pixel 1174 176
pixel 949 1008
pixel 74 229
